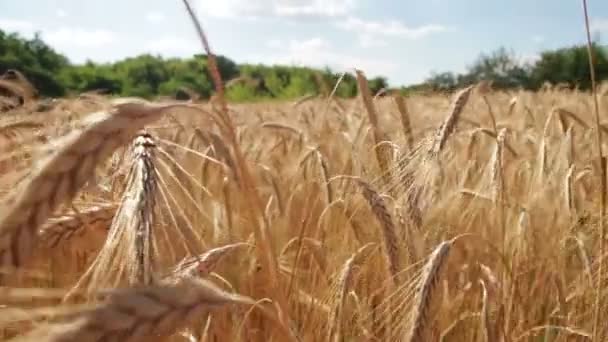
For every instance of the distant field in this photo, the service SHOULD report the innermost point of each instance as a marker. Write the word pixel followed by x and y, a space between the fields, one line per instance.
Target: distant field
pixel 471 216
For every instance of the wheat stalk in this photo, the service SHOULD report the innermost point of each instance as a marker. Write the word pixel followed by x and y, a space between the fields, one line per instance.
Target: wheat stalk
pixel 484 314
pixel 497 166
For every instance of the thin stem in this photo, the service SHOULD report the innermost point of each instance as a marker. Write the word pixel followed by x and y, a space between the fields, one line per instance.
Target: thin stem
pixel 602 180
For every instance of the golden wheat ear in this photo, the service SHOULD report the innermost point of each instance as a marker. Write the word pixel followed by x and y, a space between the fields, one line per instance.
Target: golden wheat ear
pixel 139 314
pixel 449 124
pixel 421 328
pixel 57 177
pixel 60 230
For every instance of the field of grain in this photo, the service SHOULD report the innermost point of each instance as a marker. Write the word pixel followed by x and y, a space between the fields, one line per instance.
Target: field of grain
pixel 471 216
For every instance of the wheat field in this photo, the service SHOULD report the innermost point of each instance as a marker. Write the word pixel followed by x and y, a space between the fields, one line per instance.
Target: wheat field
pixel 472 216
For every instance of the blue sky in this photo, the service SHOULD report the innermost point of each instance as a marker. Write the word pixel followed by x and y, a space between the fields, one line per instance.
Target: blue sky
pixel 403 40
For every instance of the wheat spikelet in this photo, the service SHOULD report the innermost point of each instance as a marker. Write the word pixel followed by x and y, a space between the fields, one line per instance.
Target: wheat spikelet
pixel 512 104
pixel 344 280
pixel 497 161
pixel 304 99
pixel 421 329
pixel 325 174
pixel 449 124
pixel 283 127
pixel 127 254
pixel 10 131
pixel 144 202
pixel 494 135
pixel 27 90
pixel 58 177
pixel 140 313
pixel 59 230
pixel 222 151
pixel 569 190
pixel 205 263
pixel 405 120
pixel 564 113
pixel 383 154
pixel 314 246
pixel 391 242
pixel 490 112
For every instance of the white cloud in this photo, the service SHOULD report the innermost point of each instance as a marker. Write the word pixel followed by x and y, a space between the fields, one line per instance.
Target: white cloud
pixel 599 25
pixel 155 17
pixel 61 13
pixel 62 37
pixel 318 52
pixel 389 28
pixel 274 43
pixel 79 37
pixel 370 41
pixel 172 45
pixel 21 26
pixel 276 8
pixel 314 8
pixel 538 39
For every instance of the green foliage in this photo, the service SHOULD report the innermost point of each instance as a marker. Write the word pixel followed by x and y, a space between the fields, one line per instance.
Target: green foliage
pixel 36 60
pixel 571 66
pixel 149 76
pixel 443 81
pixel 376 84
pixel 88 77
pixel 242 92
pixel 566 65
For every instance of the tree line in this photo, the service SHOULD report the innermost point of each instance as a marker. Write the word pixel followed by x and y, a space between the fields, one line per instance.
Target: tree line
pixel 151 76
pixel 567 66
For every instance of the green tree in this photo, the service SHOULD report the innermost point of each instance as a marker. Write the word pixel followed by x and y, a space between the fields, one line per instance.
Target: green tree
pixel 442 81
pixel 571 66
pixel 377 83
pixel 36 60
pixel 501 67
pixel 91 76
pixel 141 75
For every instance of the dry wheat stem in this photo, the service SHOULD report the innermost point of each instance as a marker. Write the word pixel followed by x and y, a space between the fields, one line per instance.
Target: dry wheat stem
pixel 57 178
pixel 255 209
pixel 602 192
pixel 484 315
pixel 497 166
